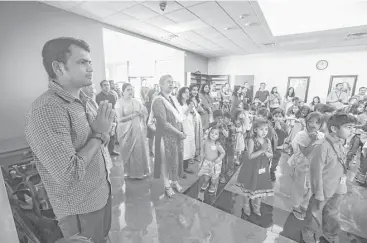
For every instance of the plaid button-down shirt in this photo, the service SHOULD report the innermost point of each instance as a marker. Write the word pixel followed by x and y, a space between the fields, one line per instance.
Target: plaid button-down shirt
pixel 56 129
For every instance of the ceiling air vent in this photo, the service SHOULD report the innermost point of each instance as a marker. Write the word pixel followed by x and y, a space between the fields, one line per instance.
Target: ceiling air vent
pixel 356 36
pixel 169 37
pixel 270 45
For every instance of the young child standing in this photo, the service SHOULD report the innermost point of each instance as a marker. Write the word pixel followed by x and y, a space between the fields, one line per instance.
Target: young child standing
pixel 357 143
pixel 328 175
pixel 229 128
pixel 254 176
pixel 282 131
pixel 265 114
pixel 240 140
pixel 302 145
pixel 211 163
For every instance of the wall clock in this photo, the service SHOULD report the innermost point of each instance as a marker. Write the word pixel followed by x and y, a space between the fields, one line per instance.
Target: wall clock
pixel 322 64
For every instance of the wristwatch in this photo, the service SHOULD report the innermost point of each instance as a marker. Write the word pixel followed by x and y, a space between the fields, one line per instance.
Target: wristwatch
pixel 98 136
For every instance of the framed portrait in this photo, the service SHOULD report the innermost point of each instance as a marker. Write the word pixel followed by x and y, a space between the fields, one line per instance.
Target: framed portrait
pixel 300 85
pixel 349 83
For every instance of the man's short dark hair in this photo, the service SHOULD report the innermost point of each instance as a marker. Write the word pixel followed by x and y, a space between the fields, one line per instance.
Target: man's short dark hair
pixel 324 108
pixel 264 112
pixel 59 50
pixel 362 88
pixel 295 99
pixel 217 113
pixel 339 119
pixel 227 114
pixel 103 81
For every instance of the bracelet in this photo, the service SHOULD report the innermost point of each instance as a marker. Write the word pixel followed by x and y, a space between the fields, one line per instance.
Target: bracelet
pixel 98 138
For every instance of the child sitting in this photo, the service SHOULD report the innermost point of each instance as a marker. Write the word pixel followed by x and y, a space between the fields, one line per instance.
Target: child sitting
pixel 302 145
pixel 254 176
pixel 211 163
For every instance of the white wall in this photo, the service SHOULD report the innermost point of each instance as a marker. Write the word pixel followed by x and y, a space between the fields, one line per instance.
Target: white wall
pixel 24 29
pixel 194 63
pixel 275 68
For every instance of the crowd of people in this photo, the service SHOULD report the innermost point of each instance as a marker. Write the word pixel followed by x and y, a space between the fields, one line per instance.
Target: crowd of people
pixel 73 131
pixel 318 142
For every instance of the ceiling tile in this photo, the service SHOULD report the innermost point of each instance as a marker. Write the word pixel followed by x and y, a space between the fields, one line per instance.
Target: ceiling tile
pixel 210 33
pixel 190 3
pixel 237 8
pixel 170 7
pixel 140 12
pixel 160 22
pixel 181 16
pixel 213 14
pixel 98 10
pixel 62 4
pixel 118 19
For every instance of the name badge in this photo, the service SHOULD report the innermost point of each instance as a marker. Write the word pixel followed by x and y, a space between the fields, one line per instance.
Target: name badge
pixel 343 180
pixel 213 147
pixel 261 171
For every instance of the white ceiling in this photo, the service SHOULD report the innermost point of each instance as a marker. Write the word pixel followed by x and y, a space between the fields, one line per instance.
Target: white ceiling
pixel 211 28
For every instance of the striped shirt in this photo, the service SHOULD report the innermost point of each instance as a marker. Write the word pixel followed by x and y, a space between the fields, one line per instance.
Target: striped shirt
pixel 56 129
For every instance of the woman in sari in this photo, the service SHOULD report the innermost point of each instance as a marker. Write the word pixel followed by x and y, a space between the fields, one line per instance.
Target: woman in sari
pixel 131 134
pixel 207 104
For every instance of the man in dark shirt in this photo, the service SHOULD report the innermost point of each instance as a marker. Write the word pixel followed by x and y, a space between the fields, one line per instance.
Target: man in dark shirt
pixel 113 89
pixel 263 95
pixel 105 94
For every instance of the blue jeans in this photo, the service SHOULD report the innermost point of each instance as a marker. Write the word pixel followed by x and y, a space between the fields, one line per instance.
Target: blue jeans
pixel 330 221
pixel 95 225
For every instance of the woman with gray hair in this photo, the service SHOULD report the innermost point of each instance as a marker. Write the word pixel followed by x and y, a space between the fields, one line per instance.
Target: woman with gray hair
pixel 169 137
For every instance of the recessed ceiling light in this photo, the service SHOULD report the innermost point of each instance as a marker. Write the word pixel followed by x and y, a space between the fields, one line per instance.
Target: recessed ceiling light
pixel 251 24
pixel 242 16
pixel 230 28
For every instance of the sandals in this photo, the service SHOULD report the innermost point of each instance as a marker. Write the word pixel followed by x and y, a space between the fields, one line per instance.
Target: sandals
pixel 299 213
pixel 230 172
pixel 256 209
pixel 169 191
pixel 177 186
pixel 212 189
pixel 205 186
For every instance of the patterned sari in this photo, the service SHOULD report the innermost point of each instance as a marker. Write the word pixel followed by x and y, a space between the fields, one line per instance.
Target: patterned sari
pixel 131 135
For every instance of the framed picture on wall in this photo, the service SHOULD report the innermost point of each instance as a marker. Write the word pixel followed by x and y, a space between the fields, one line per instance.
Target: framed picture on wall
pixel 349 83
pixel 300 85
